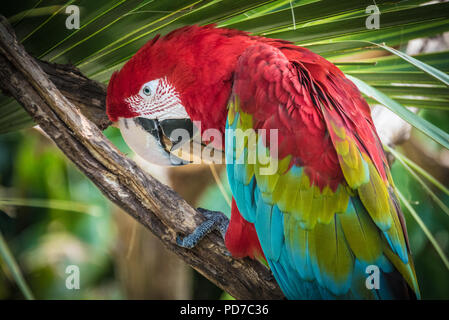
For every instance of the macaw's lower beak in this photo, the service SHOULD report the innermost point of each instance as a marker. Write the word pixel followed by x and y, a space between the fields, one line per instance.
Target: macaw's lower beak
pixel 153 140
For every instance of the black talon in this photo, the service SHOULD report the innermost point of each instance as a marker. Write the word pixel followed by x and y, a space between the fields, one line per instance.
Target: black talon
pixel 215 221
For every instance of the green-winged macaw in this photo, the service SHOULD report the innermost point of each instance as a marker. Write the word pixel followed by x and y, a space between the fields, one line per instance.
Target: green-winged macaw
pixel 327 214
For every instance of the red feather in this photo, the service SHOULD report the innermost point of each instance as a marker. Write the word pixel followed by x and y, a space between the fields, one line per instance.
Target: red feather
pixel 241 237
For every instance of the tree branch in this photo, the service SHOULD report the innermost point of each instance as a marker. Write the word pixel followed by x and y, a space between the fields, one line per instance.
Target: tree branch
pixel 88 95
pixel 147 200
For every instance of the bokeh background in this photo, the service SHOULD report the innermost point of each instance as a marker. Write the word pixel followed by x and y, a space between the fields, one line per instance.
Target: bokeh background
pixel 51 216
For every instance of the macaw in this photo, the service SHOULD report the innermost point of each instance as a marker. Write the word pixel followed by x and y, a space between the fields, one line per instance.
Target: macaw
pixel 328 216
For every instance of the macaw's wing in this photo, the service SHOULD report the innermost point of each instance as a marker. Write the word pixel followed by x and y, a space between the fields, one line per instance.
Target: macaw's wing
pixel 305 166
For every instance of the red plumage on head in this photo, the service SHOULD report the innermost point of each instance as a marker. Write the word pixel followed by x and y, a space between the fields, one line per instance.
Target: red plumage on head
pixel 198 61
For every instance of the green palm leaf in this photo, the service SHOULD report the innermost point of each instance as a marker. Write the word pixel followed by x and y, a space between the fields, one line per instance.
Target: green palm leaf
pixel 419 123
pixel 8 258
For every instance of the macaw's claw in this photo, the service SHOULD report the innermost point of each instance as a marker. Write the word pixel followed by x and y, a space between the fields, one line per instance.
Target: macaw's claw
pixel 215 221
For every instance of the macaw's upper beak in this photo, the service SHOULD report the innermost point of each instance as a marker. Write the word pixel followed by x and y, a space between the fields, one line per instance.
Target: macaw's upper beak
pixel 152 139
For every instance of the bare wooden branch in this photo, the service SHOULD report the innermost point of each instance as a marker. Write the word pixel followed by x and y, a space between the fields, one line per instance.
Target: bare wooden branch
pixel 150 202
pixel 88 95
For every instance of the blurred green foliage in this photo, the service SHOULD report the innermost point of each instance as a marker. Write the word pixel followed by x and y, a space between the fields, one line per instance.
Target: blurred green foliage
pixel 433 277
pixel 45 241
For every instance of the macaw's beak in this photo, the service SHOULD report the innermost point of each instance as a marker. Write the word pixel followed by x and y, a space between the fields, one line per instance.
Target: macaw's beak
pixel 153 140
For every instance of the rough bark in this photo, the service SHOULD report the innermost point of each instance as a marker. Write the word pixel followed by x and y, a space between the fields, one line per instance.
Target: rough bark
pixel 147 200
pixel 88 95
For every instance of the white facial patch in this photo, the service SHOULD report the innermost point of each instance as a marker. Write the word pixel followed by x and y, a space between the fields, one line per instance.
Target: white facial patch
pixel 157 99
pixel 142 143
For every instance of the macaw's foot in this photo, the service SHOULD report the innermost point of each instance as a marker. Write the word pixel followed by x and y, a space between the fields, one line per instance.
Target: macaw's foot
pixel 215 221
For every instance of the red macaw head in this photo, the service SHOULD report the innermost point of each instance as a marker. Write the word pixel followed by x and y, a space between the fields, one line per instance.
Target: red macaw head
pixel 171 81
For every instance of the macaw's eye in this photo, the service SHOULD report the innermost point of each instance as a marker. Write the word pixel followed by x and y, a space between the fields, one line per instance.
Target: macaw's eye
pixel 146 90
